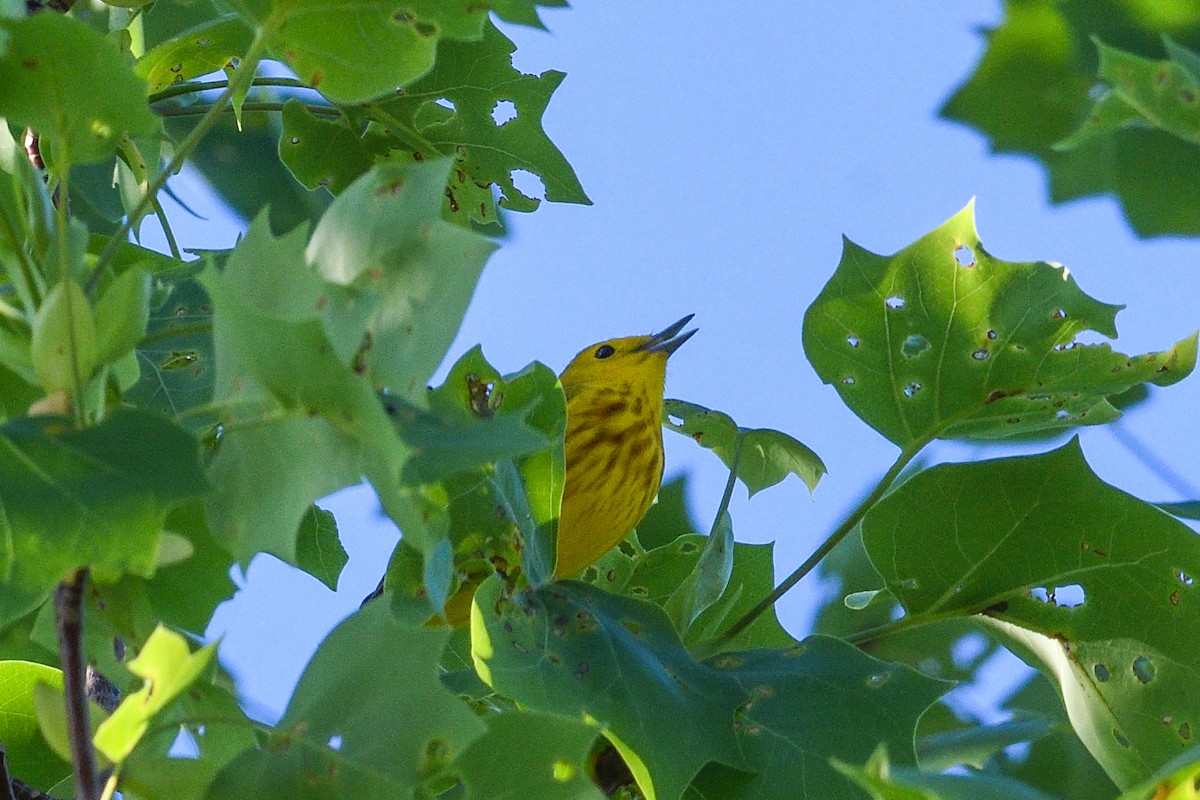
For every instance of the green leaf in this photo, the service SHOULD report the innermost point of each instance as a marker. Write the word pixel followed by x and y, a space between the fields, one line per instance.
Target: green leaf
pixel 122 314
pixel 315 426
pixel 356 52
pixel 768 456
pixel 95 497
pixel 193 53
pixel 51 708
pixel 977 744
pixel 29 757
pixel 1175 780
pixel 707 581
pixel 176 356
pixel 1067 570
pixel 1031 89
pixel 941 340
pixel 72 86
pixel 807 705
pixel 655 576
pixel 569 648
pixel 888 782
pixel 63 348
pixel 346 732
pixel 320 152
pixel 1187 509
pixel 319 551
pixel 475 77
pixel 1164 94
pixel 529 756
pixel 523 12
pixel 168 667
pixel 406 274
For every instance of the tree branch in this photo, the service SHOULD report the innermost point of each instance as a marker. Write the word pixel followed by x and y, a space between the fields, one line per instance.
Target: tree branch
pixel 68 601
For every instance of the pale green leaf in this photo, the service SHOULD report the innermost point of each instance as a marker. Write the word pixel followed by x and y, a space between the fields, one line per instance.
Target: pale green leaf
pixel 29 758
pixel 193 53
pixel 122 314
pixel 63 347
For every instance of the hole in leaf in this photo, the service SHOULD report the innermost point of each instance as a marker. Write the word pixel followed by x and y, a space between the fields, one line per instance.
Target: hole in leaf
pixel 1040 593
pixel 446 102
pixel 674 420
pixel 1184 578
pixel 1058 313
pixel 852 340
pixel 911 389
pixel 848 380
pixel 1061 414
pixel 991 334
pixel 895 301
pixel 503 111
pixel 1143 669
pixel 878 680
pixel 914 345
pixel 295 140
pixel 965 256
pixel 1062 347
pixel 1069 596
pixel 981 354
pixel 528 184
pixel 1102 673
pixel 335 742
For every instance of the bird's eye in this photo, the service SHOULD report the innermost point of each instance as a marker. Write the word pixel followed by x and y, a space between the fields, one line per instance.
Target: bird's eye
pixel 604 351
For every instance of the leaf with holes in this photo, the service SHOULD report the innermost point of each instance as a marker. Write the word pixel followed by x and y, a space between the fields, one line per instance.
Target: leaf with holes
pixel 88 498
pixel 196 52
pixel 530 756
pixel 320 152
pixel 349 733
pixel 1068 571
pixel 768 456
pixel 806 705
pixel 942 340
pixel 400 276
pixel 569 648
pixel 72 86
pixel 478 79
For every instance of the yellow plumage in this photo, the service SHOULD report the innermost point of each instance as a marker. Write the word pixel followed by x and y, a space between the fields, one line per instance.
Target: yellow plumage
pixel 614 449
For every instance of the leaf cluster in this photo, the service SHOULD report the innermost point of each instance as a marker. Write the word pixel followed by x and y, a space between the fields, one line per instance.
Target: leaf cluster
pixel 163 419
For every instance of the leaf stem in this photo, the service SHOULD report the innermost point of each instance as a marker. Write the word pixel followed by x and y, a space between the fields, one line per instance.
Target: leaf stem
pixel 242 76
pixel 194 111
pixel 68 601
pixel 840 533
pixel 204 86
pixel 729 484
pixel 905 623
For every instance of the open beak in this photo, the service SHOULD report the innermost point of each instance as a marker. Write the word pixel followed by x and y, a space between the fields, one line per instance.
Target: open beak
pixel 666 341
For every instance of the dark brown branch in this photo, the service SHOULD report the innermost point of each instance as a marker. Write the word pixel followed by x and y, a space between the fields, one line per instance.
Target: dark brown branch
pixel 68 600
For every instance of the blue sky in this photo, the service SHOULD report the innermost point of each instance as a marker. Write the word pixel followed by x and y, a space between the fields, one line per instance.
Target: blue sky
pixel 727 150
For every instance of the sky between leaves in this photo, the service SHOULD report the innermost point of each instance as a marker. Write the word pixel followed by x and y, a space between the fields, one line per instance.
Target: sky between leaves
pixel 726 156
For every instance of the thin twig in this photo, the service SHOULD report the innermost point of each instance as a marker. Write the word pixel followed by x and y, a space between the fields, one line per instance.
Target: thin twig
pixel 812 561
pixel 204 86
pixel 68 600
pixel 6 786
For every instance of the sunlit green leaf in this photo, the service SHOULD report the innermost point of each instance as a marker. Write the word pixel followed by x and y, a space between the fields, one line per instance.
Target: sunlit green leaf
pixel 942 340
pixel 768 456
pixel 168 667
pixel 890 782
pixel 1068 570
pixel 29 758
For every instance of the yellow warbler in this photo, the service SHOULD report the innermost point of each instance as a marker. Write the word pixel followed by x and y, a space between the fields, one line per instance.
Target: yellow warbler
pixel 613 446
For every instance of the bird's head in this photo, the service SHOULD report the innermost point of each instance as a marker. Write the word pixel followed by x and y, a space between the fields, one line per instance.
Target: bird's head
pixel 633 360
